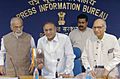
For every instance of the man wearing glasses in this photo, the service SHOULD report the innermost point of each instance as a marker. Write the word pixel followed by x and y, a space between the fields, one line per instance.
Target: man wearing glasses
pixel 102 52
pixel 15 50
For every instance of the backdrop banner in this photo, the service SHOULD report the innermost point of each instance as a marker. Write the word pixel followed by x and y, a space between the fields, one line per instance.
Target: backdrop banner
pixel 61 12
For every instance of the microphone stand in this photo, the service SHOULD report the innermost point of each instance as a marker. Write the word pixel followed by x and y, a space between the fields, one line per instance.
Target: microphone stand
pixel 14 68
pixel 56 73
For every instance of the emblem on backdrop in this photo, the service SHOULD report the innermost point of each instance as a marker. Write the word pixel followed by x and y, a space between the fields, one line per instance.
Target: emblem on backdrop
pixel 61 16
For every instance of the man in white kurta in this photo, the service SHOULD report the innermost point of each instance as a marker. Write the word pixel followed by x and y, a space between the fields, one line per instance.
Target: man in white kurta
pixel 101 50
pixel 79 36
pixel 58 52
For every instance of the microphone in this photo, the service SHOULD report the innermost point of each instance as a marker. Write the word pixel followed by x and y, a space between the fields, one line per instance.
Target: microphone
pixel 16 75
pixel 56 74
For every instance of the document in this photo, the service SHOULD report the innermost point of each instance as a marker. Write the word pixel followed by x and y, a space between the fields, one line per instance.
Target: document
pixel 8 77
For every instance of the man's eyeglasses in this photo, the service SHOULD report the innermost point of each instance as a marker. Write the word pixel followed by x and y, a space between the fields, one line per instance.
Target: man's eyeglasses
pixel 98 27
pixel 16 27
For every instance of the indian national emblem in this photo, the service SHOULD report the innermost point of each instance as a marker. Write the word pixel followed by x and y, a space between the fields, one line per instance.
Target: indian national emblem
pixel 61 18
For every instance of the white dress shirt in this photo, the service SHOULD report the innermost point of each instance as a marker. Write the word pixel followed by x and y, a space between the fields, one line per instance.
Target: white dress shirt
pixel 3 50
pixel 59 48
pixel 119 41
pixel 78 38
pixel 104 52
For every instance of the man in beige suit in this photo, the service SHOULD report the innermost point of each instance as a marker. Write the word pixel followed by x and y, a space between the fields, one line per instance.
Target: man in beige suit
pixel 15 50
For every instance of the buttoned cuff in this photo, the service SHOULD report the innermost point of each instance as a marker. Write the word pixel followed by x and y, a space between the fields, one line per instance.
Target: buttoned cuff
pixel 1 58
pixel 67 71
pixel 1 61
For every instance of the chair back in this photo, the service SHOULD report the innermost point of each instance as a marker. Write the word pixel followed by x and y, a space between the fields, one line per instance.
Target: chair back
pixel 77 62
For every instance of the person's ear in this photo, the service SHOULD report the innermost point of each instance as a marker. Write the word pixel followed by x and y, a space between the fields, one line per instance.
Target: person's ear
pixel 104 29
pixel 22 28
pixel 11 27
pixel 87 23
pixel 55 28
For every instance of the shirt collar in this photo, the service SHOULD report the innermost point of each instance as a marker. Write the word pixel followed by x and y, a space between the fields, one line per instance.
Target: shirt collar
pixel 103 37
pixel 84 30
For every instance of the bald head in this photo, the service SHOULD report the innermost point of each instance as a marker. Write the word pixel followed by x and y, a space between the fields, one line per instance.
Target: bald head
pixel 16 19
pixel 16 25
pixel 49 23
pixel 99 27
pixel 100 22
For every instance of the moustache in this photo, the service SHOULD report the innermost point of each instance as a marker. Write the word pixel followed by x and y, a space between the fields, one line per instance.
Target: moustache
pixel 18 33
pixel 80 26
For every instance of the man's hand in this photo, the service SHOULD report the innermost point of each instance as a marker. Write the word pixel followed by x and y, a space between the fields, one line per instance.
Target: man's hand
pixel 40 66
pixel 106 72
pixel 31 68
pixel 66 76
pixel 40 63
pixel 2 70
pixel 93 73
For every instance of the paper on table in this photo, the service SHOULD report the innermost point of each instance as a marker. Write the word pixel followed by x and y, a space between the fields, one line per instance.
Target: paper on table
pixel 8 77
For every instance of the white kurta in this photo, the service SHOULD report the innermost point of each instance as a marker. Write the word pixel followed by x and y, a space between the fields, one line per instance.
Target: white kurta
pixel 78 38
pixel 119 41
pixel 105 52
pixel 59 48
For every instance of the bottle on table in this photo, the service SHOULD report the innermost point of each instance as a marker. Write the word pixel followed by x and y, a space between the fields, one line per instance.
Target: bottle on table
pixel 88 76
pixel 36 74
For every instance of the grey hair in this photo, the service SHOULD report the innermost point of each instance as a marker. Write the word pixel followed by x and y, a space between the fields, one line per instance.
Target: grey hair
pixel 14 19
pixel 103 22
